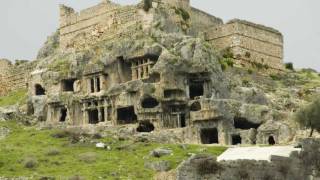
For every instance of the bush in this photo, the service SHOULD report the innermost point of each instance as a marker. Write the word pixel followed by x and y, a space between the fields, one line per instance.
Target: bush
pixel 250 71
pixel 289 66
pixel 89 157
pixel 207 165
pixel 227 53
pixel 53 152
pixel 147 5
pixel 30 162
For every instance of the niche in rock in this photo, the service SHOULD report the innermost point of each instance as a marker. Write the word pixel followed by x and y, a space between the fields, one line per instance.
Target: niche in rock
pixel 126 115
pixel 149 103
pixel 39 90
pixel 145 126
pixel 209 136
pixel 243 123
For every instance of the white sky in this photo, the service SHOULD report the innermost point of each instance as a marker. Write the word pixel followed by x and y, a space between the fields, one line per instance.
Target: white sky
pixel 25 24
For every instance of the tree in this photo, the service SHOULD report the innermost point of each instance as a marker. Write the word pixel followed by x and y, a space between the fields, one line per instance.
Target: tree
pixel 309 116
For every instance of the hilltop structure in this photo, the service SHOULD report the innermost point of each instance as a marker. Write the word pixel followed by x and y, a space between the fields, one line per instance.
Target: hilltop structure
pixel 153 65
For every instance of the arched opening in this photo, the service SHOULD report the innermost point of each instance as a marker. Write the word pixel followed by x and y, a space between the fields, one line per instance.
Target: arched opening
pixel 243 123
pixel 271 140
pixel 39 90
pixel 236 139
pixel 149 103
pixel 63 115
pixel 196 106
pixel 145 126
pixel 209 136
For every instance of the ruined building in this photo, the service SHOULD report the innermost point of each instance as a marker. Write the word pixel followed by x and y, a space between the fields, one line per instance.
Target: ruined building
pixel 103 74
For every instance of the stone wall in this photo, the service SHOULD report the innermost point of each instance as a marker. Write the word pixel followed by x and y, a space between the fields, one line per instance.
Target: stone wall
pixel 105 20
pixel 13 76
pixel 249 42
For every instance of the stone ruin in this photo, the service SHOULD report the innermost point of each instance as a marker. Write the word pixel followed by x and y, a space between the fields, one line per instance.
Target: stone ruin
pixel 120 65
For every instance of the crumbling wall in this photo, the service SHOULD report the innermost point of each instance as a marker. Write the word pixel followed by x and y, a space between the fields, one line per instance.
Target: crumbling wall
pixel 14 76
pixel 104 21
pixel 249 42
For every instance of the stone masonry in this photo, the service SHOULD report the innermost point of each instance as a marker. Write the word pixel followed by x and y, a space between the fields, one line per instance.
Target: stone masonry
pixel 249 42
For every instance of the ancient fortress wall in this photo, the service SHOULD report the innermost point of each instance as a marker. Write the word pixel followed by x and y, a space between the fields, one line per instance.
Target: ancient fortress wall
pixel 13 77
pixel 106 18
pixel 249 42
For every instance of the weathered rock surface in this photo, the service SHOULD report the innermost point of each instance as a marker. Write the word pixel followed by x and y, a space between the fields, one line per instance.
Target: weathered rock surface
pixel 159 166
pixel 4 132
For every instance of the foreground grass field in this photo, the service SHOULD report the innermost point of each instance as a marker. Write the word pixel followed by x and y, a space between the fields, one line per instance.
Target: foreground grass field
pixel 28 152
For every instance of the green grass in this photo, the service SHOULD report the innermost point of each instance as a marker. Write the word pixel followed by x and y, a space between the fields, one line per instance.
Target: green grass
pixel 14 97
pixel 25 142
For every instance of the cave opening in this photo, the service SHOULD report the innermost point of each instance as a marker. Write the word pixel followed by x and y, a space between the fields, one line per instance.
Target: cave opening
pixel 196 90
pixel 271 141
pixel 149 103
pixel 67 85
pixel 39 90
pixel 236 139
pixel 209 136
pixel 245 124
pixel 145 126
pixel 63 115
pixel 126 115
pixel 93 116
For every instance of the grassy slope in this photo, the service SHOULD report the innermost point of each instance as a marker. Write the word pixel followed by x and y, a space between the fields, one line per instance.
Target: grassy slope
pixel 123 164
pixel 14 97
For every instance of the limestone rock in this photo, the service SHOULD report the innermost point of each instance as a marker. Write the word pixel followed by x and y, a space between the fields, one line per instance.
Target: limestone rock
pixel 4 132
pixel 159 166
pixel 160 152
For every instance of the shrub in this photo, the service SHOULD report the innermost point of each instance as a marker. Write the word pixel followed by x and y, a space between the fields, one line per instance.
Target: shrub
pixel 207 166
pixel 289 66
pixel 250 71
pixel 147 5
pixel 89 157
pixel 183 13
pixel 30 162
pixel 227 53
pixel 53 152
pixel 275 77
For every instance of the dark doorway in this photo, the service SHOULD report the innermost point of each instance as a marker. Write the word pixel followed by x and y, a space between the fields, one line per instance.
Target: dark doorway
pixel 93 116
pixel 183 120
pixel 67 85
pixel 271 140
pixel 145 126
pixel 126 115
pixel 243 123
pixel 149 103
pixel 92 85
pixel 40 90
pixel 172 93
pixel 102 115
pixel 209 136
pixel 63 115
pixel 196 90
pixel 236 139
pixel 196 106
pixel 98 84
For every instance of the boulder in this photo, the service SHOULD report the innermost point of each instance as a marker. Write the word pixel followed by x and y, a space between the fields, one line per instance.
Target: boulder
pixel 160 152
pixel 159 166
pixel 4 132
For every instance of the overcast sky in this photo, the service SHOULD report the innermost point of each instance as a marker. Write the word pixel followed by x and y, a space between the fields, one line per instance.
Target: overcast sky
pixel 25 24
